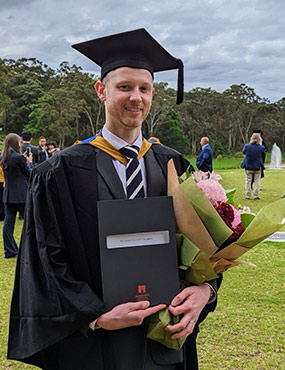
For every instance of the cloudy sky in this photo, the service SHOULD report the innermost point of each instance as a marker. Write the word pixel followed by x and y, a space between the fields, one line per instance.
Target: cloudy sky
pixel 221 42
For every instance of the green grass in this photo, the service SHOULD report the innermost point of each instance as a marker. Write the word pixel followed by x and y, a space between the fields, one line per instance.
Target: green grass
pixel 7 270
pixel 225 163
pixel 247 329
pixel 230 162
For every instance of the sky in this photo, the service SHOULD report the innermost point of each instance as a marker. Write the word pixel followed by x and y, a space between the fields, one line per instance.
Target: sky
pixel 221 42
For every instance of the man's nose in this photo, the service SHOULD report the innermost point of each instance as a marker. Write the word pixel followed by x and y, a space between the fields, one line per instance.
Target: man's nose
pixel 136 94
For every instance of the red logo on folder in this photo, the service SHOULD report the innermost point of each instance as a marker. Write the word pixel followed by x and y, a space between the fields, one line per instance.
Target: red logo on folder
pixel 141 289
pixel 142 294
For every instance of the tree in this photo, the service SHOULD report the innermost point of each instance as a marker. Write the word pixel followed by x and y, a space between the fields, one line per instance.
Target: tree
pixel 171 134
pixel 23 92
pixel 5 100
pixel 196 112
pixel 245 104
pixel 162 102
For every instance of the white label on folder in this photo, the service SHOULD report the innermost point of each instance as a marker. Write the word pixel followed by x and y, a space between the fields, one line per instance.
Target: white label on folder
pixel 137 239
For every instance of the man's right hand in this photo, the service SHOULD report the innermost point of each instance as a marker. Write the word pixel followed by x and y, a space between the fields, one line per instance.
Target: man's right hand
pixel 127 314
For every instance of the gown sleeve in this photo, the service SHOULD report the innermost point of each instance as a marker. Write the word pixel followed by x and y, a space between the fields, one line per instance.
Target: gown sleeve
pixel 53 295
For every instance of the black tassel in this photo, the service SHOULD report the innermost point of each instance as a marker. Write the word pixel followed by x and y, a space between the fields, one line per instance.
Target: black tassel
pixel 180 82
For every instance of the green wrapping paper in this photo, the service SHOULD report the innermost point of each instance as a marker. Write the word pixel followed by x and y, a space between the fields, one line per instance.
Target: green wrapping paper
pixel 187 251
pixel 207 213
pixel 195 268
pixel 268 220
pixel 157 332
pixel 201 270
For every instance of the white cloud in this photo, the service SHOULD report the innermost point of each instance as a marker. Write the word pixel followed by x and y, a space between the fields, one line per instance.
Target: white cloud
pixel 221 42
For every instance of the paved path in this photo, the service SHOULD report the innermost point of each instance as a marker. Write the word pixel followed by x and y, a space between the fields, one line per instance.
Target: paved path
pixel 277 237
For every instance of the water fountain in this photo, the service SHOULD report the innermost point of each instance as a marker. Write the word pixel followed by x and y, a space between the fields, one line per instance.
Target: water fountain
pixel 276 157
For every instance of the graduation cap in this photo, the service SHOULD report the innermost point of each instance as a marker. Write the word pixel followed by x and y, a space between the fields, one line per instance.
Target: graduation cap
pixel 136 49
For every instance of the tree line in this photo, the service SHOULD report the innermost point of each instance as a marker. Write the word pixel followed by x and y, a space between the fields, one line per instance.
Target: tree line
pixel 62 105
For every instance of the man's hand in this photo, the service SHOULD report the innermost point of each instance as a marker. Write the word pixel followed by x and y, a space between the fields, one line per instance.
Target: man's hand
pixel 29 159
pixel 190 303
pixel 127 314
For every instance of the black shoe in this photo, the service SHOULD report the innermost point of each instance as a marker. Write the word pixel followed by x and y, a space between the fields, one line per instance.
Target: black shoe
pixel 283 196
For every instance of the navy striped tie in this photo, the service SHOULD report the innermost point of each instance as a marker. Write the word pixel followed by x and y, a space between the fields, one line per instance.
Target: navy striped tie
pixel 135 187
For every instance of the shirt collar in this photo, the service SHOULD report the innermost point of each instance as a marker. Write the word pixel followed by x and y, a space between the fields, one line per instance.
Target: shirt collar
pixel 116 141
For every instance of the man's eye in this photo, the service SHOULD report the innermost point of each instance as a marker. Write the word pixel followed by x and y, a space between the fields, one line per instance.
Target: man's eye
pixel 145 89
pixel 124 87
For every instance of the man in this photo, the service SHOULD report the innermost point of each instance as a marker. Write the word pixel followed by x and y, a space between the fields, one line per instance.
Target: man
pixel 27 147
pixel 57 308
pixel 204 159
pixel 42 150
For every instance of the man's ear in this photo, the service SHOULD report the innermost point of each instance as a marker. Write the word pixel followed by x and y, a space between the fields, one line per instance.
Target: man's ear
pixel 100 89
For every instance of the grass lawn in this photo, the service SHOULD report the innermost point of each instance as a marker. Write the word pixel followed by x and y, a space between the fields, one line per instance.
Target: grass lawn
pixel 247 329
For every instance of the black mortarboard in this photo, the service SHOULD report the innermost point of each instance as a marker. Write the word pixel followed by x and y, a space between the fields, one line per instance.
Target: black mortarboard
pixel 137 49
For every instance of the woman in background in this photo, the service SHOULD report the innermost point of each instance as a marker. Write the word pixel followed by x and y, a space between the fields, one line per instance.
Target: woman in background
pixel 2 181
pixel 16 167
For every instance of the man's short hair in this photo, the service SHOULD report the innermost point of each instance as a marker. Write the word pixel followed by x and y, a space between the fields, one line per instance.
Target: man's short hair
pixel 205 139
pixel 41 137
pixel 26 135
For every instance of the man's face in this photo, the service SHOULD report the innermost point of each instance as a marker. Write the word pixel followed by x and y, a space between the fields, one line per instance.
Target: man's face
pixel 127 93
pixel 42 142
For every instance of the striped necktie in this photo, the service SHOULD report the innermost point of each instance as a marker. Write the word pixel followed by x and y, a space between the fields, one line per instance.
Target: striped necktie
pixel 135 187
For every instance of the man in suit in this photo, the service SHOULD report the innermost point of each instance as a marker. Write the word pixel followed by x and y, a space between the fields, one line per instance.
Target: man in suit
pixel 62 313
pixel 205 157
pixel 42 150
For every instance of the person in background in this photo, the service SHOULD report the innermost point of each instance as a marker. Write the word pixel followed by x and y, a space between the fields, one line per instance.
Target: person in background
pixel 16 167
pixel 205 157
pixel 2 183
pixel 42 150
pixel 52 149
pixel 27 147
pixel 253 163
pixel 262 142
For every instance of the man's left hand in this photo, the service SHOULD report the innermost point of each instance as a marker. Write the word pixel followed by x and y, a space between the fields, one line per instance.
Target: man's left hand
pixel 190 303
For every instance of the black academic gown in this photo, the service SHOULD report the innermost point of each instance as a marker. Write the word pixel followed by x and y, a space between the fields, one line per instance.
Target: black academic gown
pixel 57 291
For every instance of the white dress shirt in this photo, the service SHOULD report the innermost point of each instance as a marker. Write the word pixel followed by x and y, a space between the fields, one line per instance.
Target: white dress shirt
pixel 119 143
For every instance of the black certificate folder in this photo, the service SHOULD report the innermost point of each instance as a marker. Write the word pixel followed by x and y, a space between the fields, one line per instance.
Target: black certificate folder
pixel 138 250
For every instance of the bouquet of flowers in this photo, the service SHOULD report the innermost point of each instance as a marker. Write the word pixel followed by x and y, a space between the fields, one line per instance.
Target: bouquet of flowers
pixel 212 234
